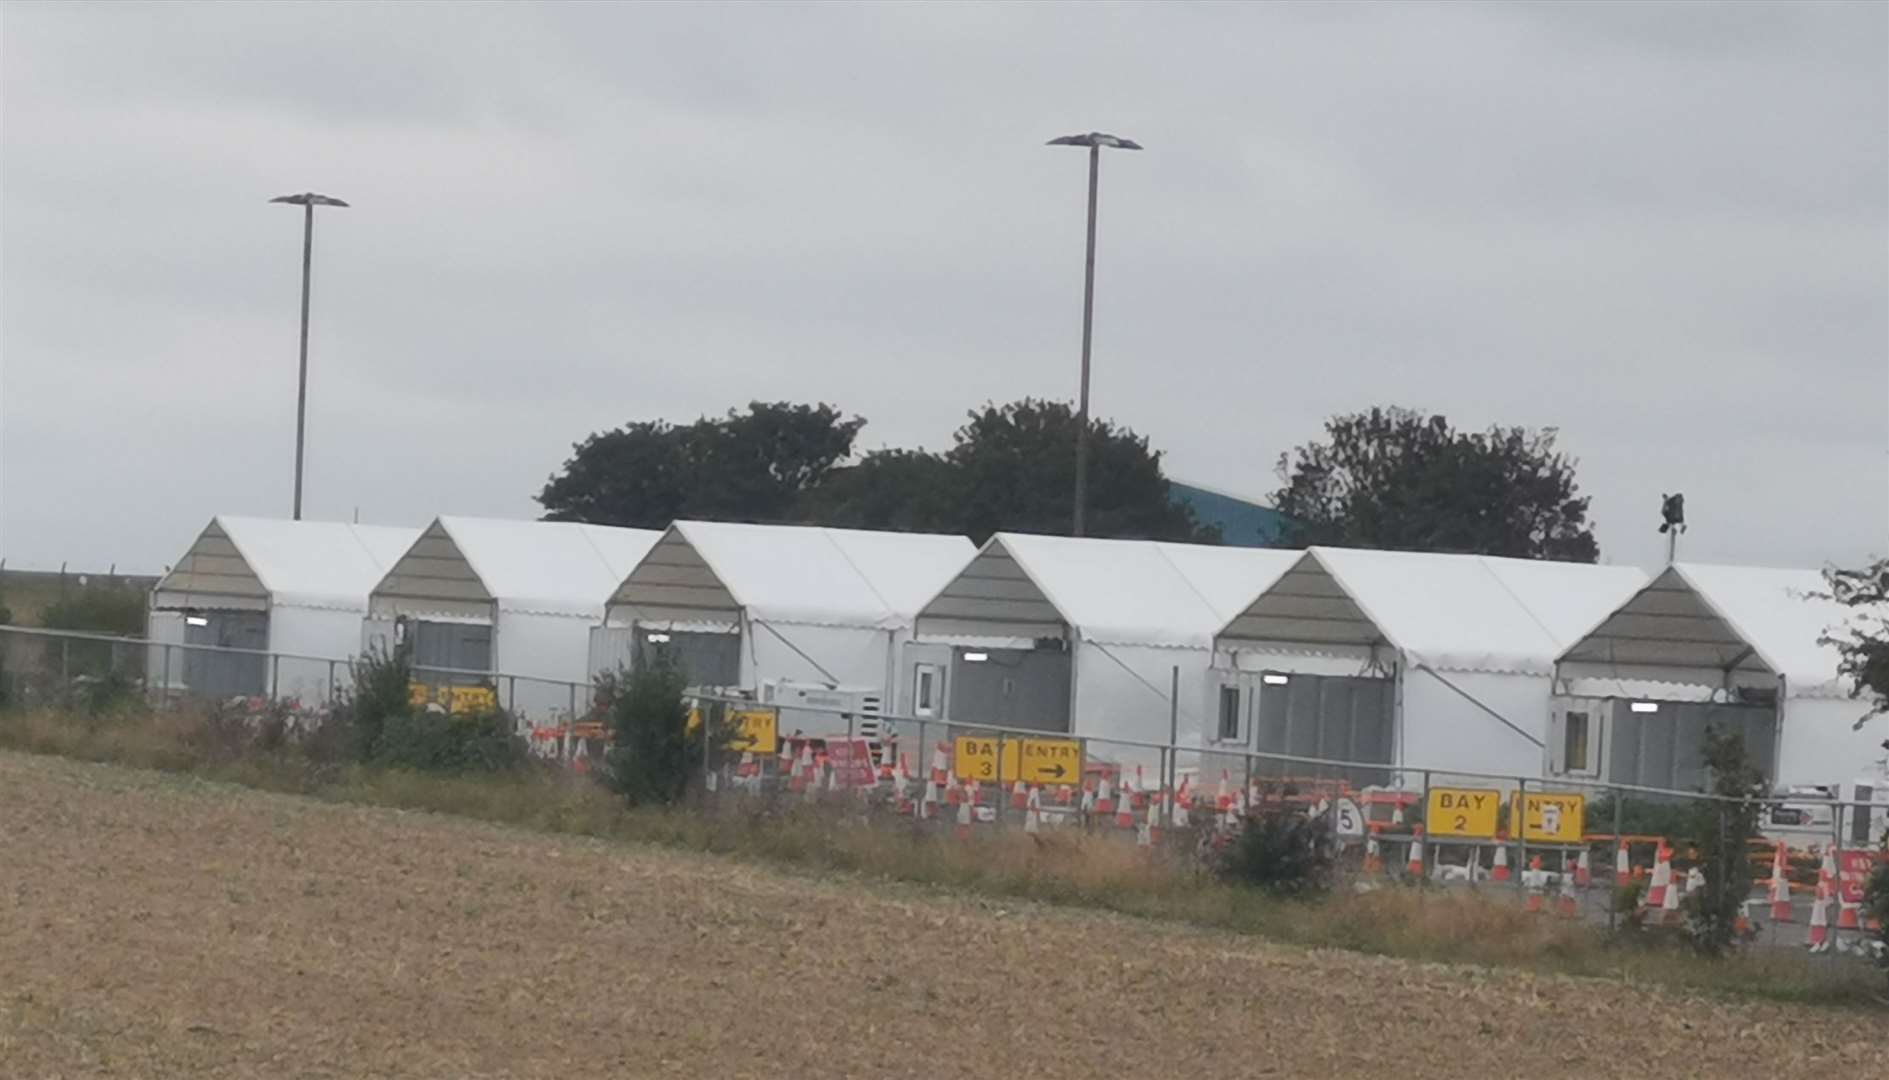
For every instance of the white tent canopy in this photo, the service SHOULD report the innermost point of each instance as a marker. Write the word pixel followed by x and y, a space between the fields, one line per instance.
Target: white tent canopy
pixel 1022 587
pixel 1451 612
pixel 254 564
pixel 467 567
pixel 708 575
pixel 1717 625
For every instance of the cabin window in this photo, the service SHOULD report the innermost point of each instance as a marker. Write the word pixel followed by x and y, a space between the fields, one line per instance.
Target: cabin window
pixel 1574 742
pixel 1229 714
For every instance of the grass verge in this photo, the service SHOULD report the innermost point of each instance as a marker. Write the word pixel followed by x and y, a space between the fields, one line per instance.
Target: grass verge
pixel 1061 868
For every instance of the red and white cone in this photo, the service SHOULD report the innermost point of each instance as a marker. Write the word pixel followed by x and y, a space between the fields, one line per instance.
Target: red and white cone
pixel 1623 867
pixel 1125 807
pixel 1567 902
pixel 1019 796
pixel 1583 870
pixel 1087 806
pixel 1780 886
pixel 963 830
pixel 1669 908
pixel 1223 798
pixel 1534 879
pixel 1819 940
pixel 1032 811
pixel 1414 865
pixel 1104 798
pixel 1373 855
pixel 941 764
pixel 1501 871
pixel 1661 884
pixel 1181 801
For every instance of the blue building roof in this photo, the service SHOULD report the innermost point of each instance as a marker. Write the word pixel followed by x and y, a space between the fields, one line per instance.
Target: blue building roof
pixel 1243 522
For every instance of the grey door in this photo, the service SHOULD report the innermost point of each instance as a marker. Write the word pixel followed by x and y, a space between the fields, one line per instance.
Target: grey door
pixel 461 647
pixel 1334 717
pixel 706 658
pixel 1661 748
pixel 1015 688
pixel 226 675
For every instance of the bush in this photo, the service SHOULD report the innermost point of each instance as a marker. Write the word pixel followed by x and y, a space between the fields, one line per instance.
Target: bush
pixel 1876 906
pixel 656 751
pixel 1721 831
pixel 1282 852
pixel 1639 817
pixel 380 725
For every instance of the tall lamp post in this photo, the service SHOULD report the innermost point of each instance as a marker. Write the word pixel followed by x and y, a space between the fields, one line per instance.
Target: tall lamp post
pixel 1095 141
pixel 308 200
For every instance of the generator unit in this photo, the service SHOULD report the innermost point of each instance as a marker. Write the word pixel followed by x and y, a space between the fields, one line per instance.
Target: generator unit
pixel 818 711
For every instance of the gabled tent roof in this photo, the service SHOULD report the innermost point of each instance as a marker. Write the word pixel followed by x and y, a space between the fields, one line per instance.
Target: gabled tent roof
pixel 1461 612
pixel 461 566
pixel 709 573
pixel 1698 623
pixel 258 563
pixel 1118 592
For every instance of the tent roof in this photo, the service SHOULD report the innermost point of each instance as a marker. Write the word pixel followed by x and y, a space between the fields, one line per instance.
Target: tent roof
pixel 710 572
pixel 460 566
pixel 1699 623
pixel 1460 612
pixel 1119 592
pixel 257 563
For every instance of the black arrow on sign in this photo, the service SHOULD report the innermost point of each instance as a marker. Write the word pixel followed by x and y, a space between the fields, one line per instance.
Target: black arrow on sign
pixel 1056 770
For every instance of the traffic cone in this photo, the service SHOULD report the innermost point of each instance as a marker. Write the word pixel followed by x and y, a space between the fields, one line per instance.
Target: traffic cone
pixel 1020 796
pixel 785 768
pixel 963 831
pixel 1501 871
pixel 1623 867
pixel 1657 889
pixel 1104 798
pixel 1223 799
pixel 1669 906
pixel 1414 866
pixel 1583 870
pixel 1568 903
pixel 1088 798
pixel 1533 880
pixel 1032 811
pixel 1125 810
pixel 1183 803
pixel 1397 816
pixel 1373 856
pixel 1153 823
pixel 1848 914
pixel 803 769
pixel 902 786
pixel 1780 887
pixel 953 794
pixel 941 764
pixel 1819 940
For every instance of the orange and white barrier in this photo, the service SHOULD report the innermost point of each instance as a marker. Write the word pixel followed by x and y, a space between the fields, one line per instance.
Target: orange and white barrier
pixel 1780 886
pixel 1623 867
pixel 1583 870
pixel 1501 871
pixel 1414 866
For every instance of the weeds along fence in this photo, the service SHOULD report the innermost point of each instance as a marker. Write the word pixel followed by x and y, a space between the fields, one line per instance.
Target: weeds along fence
pixel 1581 849
pixel 1602 853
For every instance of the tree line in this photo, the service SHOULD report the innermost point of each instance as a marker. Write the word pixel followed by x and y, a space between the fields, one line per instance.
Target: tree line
pixel 1387 477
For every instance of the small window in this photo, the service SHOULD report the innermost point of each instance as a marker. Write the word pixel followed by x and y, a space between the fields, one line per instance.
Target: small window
pixel 1229 714
pixel 1574 742
pixel 925 690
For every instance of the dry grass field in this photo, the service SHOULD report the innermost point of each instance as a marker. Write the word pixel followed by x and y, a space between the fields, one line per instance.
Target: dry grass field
pixel 152 926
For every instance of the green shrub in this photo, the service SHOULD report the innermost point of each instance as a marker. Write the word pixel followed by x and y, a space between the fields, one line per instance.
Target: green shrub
pixel 655 752
pixel 1721 832
pixel 1282 852
pixel 379 725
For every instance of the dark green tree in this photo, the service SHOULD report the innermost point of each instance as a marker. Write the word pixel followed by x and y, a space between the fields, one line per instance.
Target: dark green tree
pixel 1721 832
pixel 656 752
pixel 1394 478
pixel 746 466
pixel 1863 644
pixel 904 490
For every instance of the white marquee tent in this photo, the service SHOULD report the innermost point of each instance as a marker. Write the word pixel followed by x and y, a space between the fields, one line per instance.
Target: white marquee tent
pixel 1413 658
pixel 1083 635
pixel 1703 644
pixel 297 588
pixel 746 606
pixel 516 598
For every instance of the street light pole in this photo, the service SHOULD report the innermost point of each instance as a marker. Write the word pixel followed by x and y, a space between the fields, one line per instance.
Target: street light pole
pixel 307 201
pixel 1095 141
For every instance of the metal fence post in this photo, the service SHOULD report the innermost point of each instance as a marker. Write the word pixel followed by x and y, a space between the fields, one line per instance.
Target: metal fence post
pixel 573 703
pixel 1612 891
pixel 1423 866
pixel 1518 826
pixel 997 811
pixel 332 688
pixel 275 675
pixel 65 664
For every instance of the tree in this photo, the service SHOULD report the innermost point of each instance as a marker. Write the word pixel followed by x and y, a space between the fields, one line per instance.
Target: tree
pixel 1863 645
pixel 1722 831
pixel 907 490
pixel 752 466
pixel 1394 478
pixel 656 747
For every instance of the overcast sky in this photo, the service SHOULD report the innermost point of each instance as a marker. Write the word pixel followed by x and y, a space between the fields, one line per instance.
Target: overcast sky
pixel 1663 230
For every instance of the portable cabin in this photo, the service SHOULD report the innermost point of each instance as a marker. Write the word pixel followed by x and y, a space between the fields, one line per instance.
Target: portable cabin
pixel 295 589
pixel 1082 636
pixel 1409 658
pixel 509 604
pixel 1735 647
pixel 779 612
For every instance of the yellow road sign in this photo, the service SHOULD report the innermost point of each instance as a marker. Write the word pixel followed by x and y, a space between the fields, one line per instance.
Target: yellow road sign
pixel 1050 761
pixel 1468 812
pixel 1034 761
pixel 756 731
pixel 1552 819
